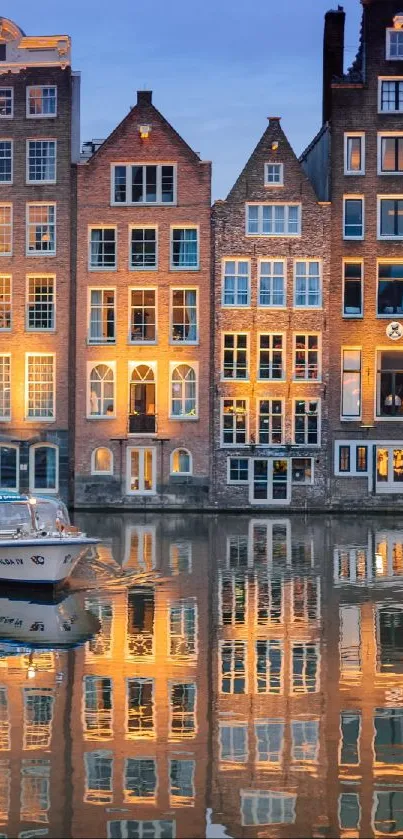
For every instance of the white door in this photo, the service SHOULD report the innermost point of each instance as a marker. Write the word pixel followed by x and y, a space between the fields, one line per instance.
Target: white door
pixel 270 482
pixel 389 469
pixel 141 471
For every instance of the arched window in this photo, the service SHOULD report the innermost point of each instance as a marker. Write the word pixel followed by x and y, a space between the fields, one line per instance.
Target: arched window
pixel 101 391
pixel 44 468
pixel 102 461
pixel 142 400
pixel 9 466
pixel 184 391
pixel 181 462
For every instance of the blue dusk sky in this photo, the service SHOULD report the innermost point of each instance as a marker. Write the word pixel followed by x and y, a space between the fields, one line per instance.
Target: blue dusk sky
pixel 216 71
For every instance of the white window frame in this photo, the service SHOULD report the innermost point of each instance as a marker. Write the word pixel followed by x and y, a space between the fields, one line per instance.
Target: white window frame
pixel 91 341
pixel 306 305
pixel 274 184
pixel 270 399
pixel 387 135
pixel 285 204
pixel 354 135
pixel 98 471
pixel 354 198
pixel 237 260
pixel 235 351
pixel 90 365
pixel 271 796
pixel 184 226
pixel 348 348
pixel 26 415
pixel 171 308
pixel 271 644
pixel 350 794
pixel 305 399
pixel 234 643
pixel 5 303
pixel 195 366
pixel 32 487
pixel 175 735
pixel 8 116
pixel 389 32
pixel 234 445
pixel 271 350
pixel 131 367
pixel 272 275
pixel 295 691
pixel 40 275
pixel 5 204
pixel 306 380
pixel 387 79
pixel 275 757
pixel 182 606
pixel 141 450
pixel 130 339
pixel 270 483
pixel 40 140
pixel 41 115
pixel 232 760
pixel 6 445
pixel 379 349
pixel 29 224
pixel 352 261
pixel 353 445
pixel 5 418
pixel 379 199
pixel 11 141
pixel 102 268
pixel 240 482
pixel 144 227
pixel 171 459
pixel 144 163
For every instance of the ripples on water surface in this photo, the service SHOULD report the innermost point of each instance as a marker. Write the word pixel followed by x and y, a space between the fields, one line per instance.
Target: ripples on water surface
pixel 209 676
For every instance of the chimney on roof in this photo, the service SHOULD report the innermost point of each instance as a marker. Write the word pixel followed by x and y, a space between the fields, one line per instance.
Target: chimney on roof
pixel 333 55
pixel 273 120
pixel 144 97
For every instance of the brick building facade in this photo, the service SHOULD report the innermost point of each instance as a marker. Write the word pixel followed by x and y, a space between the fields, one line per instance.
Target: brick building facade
pixel 271 270
pixel 143 317
pixel 39 138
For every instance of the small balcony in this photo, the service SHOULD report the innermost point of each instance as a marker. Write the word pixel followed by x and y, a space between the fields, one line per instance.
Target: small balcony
pixel 142 424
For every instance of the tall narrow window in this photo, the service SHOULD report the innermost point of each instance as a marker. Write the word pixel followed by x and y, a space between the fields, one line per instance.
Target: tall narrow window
pixel 143 250
pixel 305 740
pixel 233 744
pixel 233 667
pixel 98 777
pixel 98 708
pixel 41 303
pixel 6 102
pixel 352 289
pixel 183 709
pixel 306 422
pixel 306 357
pixel 182 631
pixel 183 392
pixel 234 422
pixel 41 229
pixel 269 741
pixel 271 356
pixel 5 387
pixel 269 666
pixel 272 283
pixel 182 786
pixel 9 462
pixel 6 229
pixel 232 596
pixel 40 392
pixel 350 727
pixel 351 384
pixel 236 282
pixel 5 303
pixel 184 248
pixel 235 356
pixel 143 316
pixel 184 326
pixel 44 468
pixel 101 396
pixel 390 154
pixel 353 218
pixel 140 709
pixel 270 419
pixel 41 161
pixel 354 156
pixel 140 780
pixel 308 293
pixel 388 744
pixel 305 667
pixel 349 811
pixel 6 161
pixel 103 248
pixel 102 316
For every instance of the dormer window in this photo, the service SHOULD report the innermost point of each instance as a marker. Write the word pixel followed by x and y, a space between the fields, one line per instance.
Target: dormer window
pixel 274 174
pixel 394 43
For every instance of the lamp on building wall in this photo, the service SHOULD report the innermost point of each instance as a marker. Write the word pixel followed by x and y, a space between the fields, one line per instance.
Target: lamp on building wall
pixel 144 131
pixel 398 21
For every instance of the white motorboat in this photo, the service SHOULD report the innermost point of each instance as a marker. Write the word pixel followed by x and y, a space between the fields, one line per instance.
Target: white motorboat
pixel 37 542
pixel 42 623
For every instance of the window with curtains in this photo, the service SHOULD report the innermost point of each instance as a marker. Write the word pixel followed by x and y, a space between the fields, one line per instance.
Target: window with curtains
pixel 351 384
pixel 102 254
pixel 271 356
pixel 5 387
pixel 184 326
pixel 41 161
pixel 183 392
pixel 181 462
pixel 390 154
pixel 308 291
pixel 6 229
pixel 102 316
pixel 6 161
pixel 6 102
pixel 272 283
pixel 41 101
pixel 5 302
pixel 273 219
pixel 101 396
pixel 41 303
pixel 40 386
pixel 184 248
pixel 41 229
pixel 234 422
pixel 43 468
pixel 143 316
pixel 137 183
pixel 270 422
pixel 143 248
pixel 354 154
pixel 236 282
pixel 235 356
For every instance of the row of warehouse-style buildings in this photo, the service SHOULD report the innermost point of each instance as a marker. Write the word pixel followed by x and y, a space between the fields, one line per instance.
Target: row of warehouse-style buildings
pixel 155 351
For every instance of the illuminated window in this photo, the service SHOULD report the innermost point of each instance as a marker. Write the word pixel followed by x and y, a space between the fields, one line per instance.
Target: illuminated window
pixel 143 184
pixel 35 790
pixel 184 248
pixel 307 291
pixel 234 422
pixel 140 553
pixel 394 44
pixel 237 470
pixel 390 221
pixel 150 829
pixel 273 219
pixel 143 248
pixel 184 325
pixel 306 358
pixel 305 667
pixel 140 624
pixel 5 742
pixel 141 471
pixel 40 387
pixel 182 709
pixel 352 289
pixel 233 657
pixel 351 384
pixel 350 728
pixel 273 174
pixel 181 462
pixel 98 777
pixel 354 154
pixel 271 356
pixel 232 596
pixel 101 643
pixel 6 102
pixel 388 812
pixel 233 743
pixel 5 303
pixel 269 601
pixel 270 422
pixel 6 161
pixel 236 282
pixel 40 312
pixel 41 161
pixel 41 229
pixel 183 392
pixel 302 470
pixel 38 717
pixel 140 709
pixel 389 384
pixel 390 154
pixel 269 666
pixel 41 101
pixel 102 316
pixel 349 811
pixel 143 316
pixel 98 708
pixel 306 422
pixel 6 229
pixel 102 462
pixel 140 780
pixel 102 244
pixel 180 557
pixel 43 468
pixel 5 387
pixel 305 741
pixel 235 356
pixel 101 394
pixel 269 741
pixel 182 785
pixel 305 599
pixel 262 807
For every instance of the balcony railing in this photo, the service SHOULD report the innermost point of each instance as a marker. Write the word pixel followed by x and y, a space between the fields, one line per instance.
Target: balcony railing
pixel 142 424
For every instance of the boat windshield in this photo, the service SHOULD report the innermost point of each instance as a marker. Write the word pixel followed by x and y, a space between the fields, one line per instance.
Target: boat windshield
pixel 14 514
pixel 50 509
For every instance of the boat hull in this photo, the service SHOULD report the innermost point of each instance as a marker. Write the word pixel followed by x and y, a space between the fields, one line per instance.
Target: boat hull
pixel 41 561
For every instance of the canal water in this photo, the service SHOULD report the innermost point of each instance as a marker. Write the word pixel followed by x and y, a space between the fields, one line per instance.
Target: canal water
pixel 209 676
